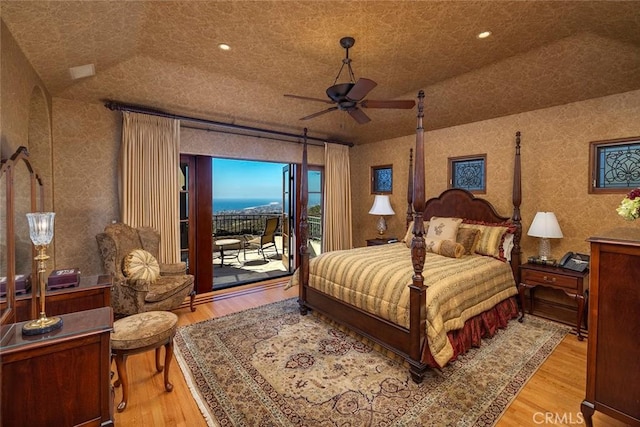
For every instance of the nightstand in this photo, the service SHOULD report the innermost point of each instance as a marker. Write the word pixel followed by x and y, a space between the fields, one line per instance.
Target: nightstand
pixel 380 241
pixel 569 281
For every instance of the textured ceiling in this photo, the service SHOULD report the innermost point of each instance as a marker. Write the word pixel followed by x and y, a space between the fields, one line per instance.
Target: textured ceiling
pixel 164 55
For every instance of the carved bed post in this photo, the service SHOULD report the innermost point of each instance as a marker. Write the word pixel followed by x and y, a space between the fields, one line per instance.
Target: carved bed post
pixel 410 190
pixel 304 230
pixel 515 218
pixel 418 291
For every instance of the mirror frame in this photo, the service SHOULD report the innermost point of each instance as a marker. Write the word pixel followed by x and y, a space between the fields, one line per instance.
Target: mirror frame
pixel 8 315
pixel 37 202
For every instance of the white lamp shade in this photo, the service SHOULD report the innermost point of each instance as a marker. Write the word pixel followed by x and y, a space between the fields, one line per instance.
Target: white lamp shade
pixel 41 227
pixel 545 225
pixel 381 206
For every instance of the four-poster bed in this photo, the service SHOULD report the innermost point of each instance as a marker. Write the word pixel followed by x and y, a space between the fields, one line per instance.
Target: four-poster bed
pixel 411 302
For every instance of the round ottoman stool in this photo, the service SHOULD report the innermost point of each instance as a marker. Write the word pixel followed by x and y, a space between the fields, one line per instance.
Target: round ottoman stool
pixel 138 333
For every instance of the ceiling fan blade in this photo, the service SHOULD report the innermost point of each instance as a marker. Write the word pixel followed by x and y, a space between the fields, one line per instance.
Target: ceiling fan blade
pixel 326 101
pixel 360 89
pixel 359 116
pixel 319 113
pixel 369 103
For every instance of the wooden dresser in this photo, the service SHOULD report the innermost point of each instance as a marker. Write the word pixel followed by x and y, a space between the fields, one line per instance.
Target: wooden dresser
pixel 92 292
pixel 613 354
pixel 61 378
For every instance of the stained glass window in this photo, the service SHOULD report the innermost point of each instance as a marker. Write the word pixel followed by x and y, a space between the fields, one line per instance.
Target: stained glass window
pixel 615 165
pixel 468 173
pixel 382 179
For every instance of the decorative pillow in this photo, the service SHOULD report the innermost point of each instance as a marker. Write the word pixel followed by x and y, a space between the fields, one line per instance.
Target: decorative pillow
pixel 451 249
pixel 447 248
pixel 491 238
pixel 408 237
pixel 443 228
pixel 141 265
pixel 468 238
pixel 433 245
pixel 507 246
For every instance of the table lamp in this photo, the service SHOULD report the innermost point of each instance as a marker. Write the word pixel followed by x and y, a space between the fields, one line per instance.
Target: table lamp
pixel 41 233
pixel 545 226
pixel 381 206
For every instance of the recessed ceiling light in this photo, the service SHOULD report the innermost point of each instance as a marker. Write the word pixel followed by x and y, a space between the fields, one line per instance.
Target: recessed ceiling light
pixel 224 46
pixel 484 34
pixel 82 71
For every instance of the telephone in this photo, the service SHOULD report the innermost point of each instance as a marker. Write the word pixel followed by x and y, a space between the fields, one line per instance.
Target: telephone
pixel 574 261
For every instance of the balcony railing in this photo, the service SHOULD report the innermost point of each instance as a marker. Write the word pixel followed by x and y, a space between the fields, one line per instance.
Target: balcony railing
pixel 239 224
pixel 315 227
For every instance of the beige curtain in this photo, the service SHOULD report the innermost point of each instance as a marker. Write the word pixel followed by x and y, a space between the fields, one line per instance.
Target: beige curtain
pixel 149 188
pixel 337 234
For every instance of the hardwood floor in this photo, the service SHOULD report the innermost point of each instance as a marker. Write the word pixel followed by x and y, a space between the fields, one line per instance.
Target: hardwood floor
pixel 551 397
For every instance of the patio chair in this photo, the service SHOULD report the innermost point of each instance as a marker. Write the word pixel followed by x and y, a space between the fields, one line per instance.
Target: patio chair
pixel 264 240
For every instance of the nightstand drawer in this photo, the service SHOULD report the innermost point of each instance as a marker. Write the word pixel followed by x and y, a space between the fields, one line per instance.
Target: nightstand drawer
pixel 549 279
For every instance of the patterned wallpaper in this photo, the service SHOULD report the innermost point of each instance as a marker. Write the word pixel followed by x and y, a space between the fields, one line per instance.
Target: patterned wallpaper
pixel 554 153
pixel 555 157
pixel 25 121
pixel 163 54
pixel 85 158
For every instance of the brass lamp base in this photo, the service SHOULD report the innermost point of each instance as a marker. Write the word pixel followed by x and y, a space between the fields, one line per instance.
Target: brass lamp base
pixel 41 326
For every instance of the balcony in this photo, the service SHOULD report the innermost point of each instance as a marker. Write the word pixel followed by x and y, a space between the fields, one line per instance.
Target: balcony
pixel 242 265
pixel 241 224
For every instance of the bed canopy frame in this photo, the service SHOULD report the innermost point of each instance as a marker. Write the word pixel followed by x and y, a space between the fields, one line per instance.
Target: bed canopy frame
pixel 408 343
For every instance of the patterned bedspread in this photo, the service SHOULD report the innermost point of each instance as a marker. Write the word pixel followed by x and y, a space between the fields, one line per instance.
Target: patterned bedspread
pixel 376 279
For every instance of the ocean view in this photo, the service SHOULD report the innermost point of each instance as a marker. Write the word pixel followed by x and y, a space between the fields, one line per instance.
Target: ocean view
pixel 227 205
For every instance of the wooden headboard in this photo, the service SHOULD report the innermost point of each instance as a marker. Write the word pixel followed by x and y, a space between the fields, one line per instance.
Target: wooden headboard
pixel 460 203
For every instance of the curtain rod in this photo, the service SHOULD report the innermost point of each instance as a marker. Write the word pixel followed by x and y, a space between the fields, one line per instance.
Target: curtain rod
pixel 116 106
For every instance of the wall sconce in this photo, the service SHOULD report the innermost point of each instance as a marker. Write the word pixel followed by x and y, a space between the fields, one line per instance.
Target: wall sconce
pixel 545 225
pixel 381 206
pixel 41 233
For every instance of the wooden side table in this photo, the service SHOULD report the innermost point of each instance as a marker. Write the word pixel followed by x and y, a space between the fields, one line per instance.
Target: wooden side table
pixel 380 241
pixel 569 281
pixel 61 378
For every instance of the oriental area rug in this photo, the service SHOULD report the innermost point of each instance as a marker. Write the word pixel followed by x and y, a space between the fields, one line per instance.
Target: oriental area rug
pixel 270 366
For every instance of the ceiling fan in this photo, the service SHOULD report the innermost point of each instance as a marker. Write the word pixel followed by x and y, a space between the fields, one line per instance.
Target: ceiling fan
pixel 349 96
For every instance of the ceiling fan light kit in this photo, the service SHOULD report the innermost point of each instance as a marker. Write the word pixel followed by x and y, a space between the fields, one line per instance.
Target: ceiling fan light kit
pixel 350 96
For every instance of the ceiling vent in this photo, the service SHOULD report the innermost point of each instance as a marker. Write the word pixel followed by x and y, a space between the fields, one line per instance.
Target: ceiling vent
pixel 82 71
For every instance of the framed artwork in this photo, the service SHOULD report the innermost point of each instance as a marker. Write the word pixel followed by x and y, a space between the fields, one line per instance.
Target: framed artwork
pixel 382 179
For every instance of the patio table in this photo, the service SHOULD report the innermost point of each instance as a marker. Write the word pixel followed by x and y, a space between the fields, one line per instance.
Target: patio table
pixel 228 242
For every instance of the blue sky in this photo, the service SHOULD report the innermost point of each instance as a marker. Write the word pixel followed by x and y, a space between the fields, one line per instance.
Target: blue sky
pixel 243 179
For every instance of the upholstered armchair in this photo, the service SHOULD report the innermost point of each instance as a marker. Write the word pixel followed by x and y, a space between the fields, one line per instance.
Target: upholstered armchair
pixel 140 282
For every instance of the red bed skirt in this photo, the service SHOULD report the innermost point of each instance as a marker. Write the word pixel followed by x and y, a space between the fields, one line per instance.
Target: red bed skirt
pixel 481 326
